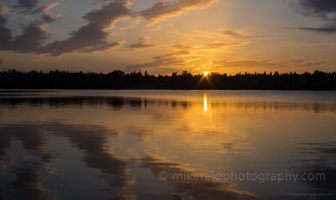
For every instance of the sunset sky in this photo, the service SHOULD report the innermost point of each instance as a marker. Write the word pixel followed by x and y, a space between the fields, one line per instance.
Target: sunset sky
pixel 168 35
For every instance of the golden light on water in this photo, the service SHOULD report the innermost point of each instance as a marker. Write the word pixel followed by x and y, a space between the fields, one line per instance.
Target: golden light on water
pixel 205 102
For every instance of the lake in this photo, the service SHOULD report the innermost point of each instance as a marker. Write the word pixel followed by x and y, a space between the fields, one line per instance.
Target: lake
pixel 81 144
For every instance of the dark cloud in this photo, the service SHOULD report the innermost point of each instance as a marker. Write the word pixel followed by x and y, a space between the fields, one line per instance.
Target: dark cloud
pixel 85 37
pixel 328 29
pixel 325 9
pixel 28 4
pixel 319 6
pixel 92 35
pixel 50 18
pixel 31 38
pixel 5 32
pixel 160 10
pixel 1 60
pixel 143 42
pixel 164 9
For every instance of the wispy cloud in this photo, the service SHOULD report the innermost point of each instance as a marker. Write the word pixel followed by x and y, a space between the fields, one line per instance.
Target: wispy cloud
pixel 177 58
pixel 160 27
pixel 181 46
pixel 246 63
pixel 234 63
pixel 216 45
pixel 166 9
pixel 155 64
pixel 104 47
pixel 238 34
pixel 126 28
pixel 185 56
pixel 143 42
pixel 42 9
pixel 175 54
pixel 227 33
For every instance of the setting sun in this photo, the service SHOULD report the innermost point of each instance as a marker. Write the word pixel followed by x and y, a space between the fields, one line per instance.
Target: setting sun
pixel 206 73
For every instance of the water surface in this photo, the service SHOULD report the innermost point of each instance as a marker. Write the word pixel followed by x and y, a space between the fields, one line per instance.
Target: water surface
pixel 79 144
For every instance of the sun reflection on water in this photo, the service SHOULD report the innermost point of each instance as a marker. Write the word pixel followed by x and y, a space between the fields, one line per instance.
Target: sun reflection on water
pixel 205 102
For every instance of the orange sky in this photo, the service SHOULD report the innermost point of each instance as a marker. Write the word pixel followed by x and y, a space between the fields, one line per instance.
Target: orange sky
pixel 166 36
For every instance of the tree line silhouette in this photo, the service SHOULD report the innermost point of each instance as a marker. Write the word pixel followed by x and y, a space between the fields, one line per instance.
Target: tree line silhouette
pixel 13 79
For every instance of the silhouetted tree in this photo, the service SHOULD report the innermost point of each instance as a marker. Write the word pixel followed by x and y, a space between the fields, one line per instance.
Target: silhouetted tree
pixel 13 79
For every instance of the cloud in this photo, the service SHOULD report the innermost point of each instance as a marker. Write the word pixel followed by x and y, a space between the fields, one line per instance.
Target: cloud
pixel 175 54
pixel 93 34
pixel 28 4
pixel 44 8
pixel 5 32
pixel 327 29
pixel 318 6
pixel 103 47
pixel 160 27
pixel 50 18
pixel 180 46
pixel 172 59
pixel 143 42
pixel 1 61
pixel 31 38
pixel 231 63
pixel 325 9
pixel 155 63
pixel 228 63
pixel 216 45
pixel 182 58
pixel 3 11
pixel 312 63
pixel 205 47
pixel 165 9
pixel 126 28
pixel 237 34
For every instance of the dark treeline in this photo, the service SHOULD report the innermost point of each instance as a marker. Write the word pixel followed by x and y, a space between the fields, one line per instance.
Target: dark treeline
pixel 318 80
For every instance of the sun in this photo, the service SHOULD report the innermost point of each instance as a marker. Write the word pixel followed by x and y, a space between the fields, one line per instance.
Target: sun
pixel 206 73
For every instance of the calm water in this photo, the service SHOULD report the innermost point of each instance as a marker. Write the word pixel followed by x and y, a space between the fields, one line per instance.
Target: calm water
pixel 167 145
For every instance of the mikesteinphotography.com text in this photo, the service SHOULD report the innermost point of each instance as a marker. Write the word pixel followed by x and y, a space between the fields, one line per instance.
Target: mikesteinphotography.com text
pixel 241 176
